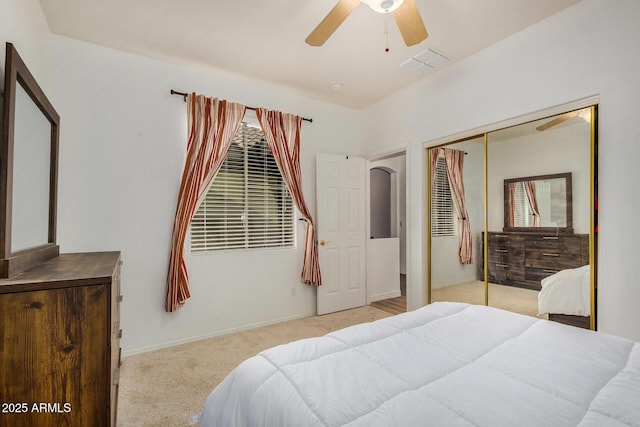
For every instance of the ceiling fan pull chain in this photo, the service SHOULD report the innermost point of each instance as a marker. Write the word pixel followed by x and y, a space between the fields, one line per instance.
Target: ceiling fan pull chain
pixel 386 31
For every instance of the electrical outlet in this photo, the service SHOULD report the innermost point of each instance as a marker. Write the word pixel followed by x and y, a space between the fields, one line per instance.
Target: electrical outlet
pixel 293 291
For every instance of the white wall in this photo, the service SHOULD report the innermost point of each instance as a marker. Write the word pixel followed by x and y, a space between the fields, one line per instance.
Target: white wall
pixel 22 23
pixel 122 150
pixel 583 51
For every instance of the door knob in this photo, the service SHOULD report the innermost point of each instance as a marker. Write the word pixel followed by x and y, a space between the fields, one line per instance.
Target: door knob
pixel 324 242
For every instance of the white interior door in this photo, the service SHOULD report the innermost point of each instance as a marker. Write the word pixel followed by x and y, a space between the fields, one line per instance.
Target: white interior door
pixel 341 231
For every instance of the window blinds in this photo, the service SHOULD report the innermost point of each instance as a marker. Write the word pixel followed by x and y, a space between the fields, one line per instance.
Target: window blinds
pixel 248 204
pixel 442 209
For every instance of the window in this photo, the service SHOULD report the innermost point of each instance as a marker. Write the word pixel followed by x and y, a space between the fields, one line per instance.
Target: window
pixel 442 209
pixel 248 204
pixel 522 211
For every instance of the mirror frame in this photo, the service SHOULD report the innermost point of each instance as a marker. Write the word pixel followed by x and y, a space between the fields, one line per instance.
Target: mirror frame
pixel 569 205
pixel 16 72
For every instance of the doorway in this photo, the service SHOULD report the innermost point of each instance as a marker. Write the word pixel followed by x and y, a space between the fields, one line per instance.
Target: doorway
pixel 386 246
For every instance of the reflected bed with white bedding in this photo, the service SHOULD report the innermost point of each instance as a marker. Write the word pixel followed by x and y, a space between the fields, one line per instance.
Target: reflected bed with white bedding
pixel 446 364
pixel 566 292
pixel 566 297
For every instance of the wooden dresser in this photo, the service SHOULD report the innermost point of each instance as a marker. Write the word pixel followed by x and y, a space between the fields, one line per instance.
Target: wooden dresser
pixel 60 342
pixel 524 259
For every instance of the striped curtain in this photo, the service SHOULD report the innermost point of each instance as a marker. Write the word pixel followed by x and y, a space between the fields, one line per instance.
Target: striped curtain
pixel 455 160
pixel 212 124
pixel 530 190
pixel 511 197
pixel 282 132
pixel 435 154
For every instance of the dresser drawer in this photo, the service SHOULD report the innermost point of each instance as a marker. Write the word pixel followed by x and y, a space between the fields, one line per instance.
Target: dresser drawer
pixel 552 261
pixel 555 244
pixel 505 242
pixel 500 272
pixel 506 256
pixel 537 274
pixel 506 250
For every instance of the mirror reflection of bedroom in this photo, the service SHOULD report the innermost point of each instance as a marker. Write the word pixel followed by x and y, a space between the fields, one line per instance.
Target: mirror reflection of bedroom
pixel 511 222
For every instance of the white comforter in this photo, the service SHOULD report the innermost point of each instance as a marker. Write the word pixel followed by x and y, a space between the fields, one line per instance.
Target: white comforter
pixel 447 364
pixel 566 292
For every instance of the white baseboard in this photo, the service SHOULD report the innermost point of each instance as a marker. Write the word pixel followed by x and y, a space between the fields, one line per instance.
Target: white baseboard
pixel 374 298
pixel 186 340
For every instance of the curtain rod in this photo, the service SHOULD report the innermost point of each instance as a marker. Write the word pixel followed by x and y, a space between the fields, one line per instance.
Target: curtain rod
pixel 184 96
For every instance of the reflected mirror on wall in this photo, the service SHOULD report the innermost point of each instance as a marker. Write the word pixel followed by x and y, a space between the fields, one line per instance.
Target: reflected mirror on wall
pixel 543 206
pixel 540 192
pixel 541 203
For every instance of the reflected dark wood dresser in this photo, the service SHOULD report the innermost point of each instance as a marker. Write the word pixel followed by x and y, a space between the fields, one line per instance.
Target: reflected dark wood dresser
pixel 524 259
pixel 60 342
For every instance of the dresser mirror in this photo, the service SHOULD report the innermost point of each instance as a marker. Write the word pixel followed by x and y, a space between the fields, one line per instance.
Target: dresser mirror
pixel 29 161
pixel 540 203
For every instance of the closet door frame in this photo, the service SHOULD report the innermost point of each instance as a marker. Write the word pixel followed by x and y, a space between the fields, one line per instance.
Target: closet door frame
pixel 590 102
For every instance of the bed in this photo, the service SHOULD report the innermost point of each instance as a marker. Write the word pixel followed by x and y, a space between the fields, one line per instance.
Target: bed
pixel 566 296
pixel 446 364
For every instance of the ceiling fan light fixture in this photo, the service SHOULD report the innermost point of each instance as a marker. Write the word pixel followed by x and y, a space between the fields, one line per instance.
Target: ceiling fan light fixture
pixel 383 6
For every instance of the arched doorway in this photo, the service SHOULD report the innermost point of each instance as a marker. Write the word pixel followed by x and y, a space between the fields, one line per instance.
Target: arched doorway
pixel 386 249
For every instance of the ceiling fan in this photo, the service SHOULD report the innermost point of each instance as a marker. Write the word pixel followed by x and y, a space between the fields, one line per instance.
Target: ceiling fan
pixel 585 113
pixel 405 13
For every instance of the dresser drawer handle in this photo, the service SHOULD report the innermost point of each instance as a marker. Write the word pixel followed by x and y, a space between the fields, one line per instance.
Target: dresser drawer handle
pixel 545 254
pixel 502 265
pixel 503 251
pixel 550 271
pixel 550 237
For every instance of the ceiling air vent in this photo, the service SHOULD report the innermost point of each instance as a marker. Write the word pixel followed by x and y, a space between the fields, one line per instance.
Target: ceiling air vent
pixel 425 61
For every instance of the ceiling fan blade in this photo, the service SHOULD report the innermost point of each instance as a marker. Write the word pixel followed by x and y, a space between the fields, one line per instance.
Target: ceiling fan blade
pixel 410 23
pixel 562 118
pixel 331 22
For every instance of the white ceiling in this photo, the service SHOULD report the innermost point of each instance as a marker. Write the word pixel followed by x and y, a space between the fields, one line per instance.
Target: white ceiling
pixel 265 39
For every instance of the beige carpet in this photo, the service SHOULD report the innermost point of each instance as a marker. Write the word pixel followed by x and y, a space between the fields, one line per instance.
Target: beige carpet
pixel 166 387
pixel 518 300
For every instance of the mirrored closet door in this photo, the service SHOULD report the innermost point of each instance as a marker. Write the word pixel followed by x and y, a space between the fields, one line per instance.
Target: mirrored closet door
pixel 529 196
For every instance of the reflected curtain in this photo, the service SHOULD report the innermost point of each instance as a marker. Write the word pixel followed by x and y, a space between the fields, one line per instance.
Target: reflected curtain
pixel 435 154
pixel 282 132
pixel 212 124
pixel 511 191
pixel 455 162
pixel 530 189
